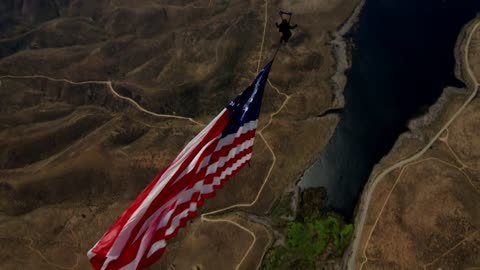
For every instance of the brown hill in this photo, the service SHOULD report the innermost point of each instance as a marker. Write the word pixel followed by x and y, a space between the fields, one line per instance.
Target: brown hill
pixel 96 97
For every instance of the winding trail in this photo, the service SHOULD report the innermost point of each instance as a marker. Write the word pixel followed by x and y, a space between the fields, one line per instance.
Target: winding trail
pixel 110 88
pixel 39 253
pixel 397 180
pixel 35 250
pixel 455 155
pixel 472 235
pixel 359 228
pixel 252 234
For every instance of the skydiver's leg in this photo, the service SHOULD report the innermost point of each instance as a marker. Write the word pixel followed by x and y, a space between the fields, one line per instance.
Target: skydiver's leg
pixel 287 36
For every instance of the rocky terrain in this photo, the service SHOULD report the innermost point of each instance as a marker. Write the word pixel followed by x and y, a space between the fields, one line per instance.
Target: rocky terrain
pixel 96 97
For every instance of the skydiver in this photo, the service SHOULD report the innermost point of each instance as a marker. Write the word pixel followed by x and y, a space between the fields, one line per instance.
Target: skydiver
pixel 284 27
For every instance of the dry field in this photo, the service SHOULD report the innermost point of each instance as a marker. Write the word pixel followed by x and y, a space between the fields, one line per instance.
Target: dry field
pixel 96 97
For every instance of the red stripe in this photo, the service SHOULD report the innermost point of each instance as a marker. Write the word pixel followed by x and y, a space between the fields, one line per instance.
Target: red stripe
pixel 197 196
pixel 181 207
pixel 193 177
pixel 166 194
pixel 97 261
pixel 159 200
pixel 237 141
pixel 226 149
pixel 110 236
pixel 185 205
pixel 130 252
pixel 146 262
pixel 188 180
pixel 155 256
pixel 201 175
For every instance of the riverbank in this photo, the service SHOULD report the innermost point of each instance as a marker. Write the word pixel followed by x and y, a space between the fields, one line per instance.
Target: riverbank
pixel 424 130
pixel 342 55
pixel 339 79
pixel 288 208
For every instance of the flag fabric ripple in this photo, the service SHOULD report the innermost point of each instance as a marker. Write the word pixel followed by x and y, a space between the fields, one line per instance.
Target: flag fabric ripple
pixel 138 238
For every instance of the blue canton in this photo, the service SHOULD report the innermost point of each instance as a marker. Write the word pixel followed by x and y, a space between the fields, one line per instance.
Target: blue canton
pixel 246 106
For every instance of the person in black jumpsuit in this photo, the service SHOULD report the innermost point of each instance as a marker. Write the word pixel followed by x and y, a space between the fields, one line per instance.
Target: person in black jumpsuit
pixel 284 27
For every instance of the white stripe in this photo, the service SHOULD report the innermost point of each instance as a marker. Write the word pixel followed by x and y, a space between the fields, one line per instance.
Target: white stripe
pixel 233 152
pixel 186 194
pixel 120 241
pixel 146 240
pixel 176 220
pixel 126 230
pixel 105 264
pixel 194 162
pixel 224 141
pixel 144 247
pixel 231 137
pixel 161 243
pixel 228 171
pixel 156 246
pixel 203 190
pixel 202 133
pixel 90 254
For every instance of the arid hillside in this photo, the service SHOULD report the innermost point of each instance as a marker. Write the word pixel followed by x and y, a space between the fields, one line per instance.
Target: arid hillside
pixel 424 197
pixel 96 97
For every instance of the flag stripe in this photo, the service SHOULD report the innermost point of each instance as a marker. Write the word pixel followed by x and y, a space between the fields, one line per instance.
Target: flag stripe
pixel 220 156
pixel 138 216
pixel 120 230
pixel 218 177
pixel 226 141
pixel 173 190
pixel 201 183
pixel 232 170
pixel 177 216
pixel 183 199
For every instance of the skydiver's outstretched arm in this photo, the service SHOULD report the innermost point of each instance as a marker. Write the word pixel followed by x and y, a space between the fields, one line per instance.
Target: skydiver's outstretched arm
pixel 291 27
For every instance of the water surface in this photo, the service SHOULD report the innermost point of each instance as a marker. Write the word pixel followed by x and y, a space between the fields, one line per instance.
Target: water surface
pixel 402 60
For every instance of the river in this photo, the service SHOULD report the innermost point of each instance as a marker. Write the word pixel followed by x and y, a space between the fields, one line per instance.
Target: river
pixel 402 59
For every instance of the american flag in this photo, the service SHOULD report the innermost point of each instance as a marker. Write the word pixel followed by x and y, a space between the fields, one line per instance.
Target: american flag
pixel 138 238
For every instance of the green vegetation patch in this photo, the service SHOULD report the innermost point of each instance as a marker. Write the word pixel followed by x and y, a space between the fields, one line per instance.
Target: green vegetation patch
pixel 306 242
